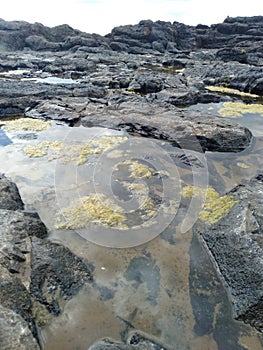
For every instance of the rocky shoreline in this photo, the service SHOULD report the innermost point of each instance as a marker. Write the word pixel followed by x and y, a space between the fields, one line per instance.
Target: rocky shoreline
pixel 141 79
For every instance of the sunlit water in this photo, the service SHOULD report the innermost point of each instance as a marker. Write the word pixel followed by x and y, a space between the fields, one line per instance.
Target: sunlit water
pixel 167 287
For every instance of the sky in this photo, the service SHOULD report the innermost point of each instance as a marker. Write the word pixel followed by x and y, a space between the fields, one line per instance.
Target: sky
pixel 100 16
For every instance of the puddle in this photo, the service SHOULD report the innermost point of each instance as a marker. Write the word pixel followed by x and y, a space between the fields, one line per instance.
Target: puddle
pixel 56 80
pixel 163 283
pixel 26 75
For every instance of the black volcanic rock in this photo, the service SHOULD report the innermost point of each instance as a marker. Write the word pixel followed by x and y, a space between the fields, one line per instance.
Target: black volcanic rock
pixel 18 35
pixel 146 36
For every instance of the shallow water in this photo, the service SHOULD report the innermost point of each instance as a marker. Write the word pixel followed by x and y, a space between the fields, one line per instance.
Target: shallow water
pixel 164 282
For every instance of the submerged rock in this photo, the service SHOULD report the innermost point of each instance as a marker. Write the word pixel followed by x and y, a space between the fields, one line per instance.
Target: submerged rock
pixel 236 244
pixel 135 341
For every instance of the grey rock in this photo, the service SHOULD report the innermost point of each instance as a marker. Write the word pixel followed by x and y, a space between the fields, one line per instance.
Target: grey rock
pixel 236 244
pixel 14 332
pixel 186 130
pixel 10 198
pixel 57 274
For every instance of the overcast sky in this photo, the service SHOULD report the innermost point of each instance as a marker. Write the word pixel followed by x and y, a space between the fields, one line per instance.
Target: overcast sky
pixel 100 16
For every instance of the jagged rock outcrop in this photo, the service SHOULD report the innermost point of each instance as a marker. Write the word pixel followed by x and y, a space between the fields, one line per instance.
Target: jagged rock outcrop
pixel 18 35
pixel 241 37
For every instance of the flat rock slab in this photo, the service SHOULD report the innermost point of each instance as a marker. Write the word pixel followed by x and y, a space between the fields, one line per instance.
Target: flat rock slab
pixel 183 128
pixel 189 130
pixel 236 244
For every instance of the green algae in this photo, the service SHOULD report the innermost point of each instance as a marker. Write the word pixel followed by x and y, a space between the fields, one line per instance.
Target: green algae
pixel 229 91
pixel 215 206
pixel 74 153
pixel 95 208
pixel 26 124
pixel 237 109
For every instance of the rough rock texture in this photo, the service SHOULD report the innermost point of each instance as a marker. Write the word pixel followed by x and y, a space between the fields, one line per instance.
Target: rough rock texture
pixel 20 337
pixel 236 244
pixel 17 35
pixel 10 198
pixel 35 274
pixel 241 36
pixel 192 131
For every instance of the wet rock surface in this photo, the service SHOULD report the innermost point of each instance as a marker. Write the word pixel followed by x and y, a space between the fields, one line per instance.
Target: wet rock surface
pixel 235 243
pixel 35 274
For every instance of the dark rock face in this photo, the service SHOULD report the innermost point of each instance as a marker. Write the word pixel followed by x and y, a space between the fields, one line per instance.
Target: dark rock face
pixel 52 274
pixel 19 35
pixel 243 35
pixel 10 198
pixel 236 245
pixel 35 274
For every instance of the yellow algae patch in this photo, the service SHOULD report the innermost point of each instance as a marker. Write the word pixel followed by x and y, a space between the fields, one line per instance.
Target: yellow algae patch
pixel 149 209
pixel 34 151
pixel 94 208
pixel 26 124
pixel 225 90
pixel 138 170
pixel 243 165
pixel 237 109
pixel 75 153
pixel 215 206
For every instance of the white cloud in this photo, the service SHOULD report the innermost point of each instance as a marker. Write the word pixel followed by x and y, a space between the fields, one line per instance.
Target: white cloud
pixel 100 16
